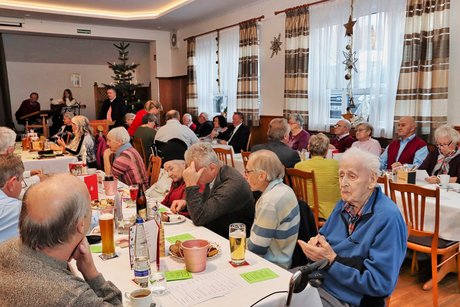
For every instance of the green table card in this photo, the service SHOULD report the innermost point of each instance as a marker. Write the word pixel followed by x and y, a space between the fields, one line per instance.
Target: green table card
pixel 162 209
pixel 96 249
pixel 177 275
pixel 259 275
pixel 181 237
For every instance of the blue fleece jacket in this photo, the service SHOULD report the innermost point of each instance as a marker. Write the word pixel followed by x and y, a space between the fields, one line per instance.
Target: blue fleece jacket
pixel 368 261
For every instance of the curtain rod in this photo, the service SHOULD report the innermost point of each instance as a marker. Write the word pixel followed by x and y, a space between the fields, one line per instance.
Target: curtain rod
pixel 300 6
pixel 226 27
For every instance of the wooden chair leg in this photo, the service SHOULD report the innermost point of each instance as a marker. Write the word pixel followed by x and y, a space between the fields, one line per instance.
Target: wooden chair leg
pixel 414 266
pixel 434 277
pixel 458 269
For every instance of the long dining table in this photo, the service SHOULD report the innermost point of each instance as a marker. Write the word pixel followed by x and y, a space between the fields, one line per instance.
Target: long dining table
pixel 220 284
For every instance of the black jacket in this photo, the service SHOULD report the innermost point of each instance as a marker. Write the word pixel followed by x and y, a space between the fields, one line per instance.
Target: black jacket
pixel 204 129
pixel 288 156
pixel 118 111
pixel 239 140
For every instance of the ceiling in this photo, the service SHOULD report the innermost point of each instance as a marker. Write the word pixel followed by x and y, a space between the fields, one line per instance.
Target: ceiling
pixel 145 14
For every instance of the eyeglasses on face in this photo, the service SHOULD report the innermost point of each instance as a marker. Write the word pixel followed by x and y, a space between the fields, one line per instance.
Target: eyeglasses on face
pixel 361 129
pixel 444 145
pixel 339 126
pixel 248 171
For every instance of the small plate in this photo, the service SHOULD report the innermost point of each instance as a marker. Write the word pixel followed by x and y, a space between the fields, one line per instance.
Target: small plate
pixel 217 246
pixel 175 219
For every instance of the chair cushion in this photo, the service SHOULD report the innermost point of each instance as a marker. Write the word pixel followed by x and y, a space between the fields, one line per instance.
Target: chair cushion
pixel 426 241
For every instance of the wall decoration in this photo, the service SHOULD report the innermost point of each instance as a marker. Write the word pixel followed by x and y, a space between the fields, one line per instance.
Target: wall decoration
pixel 75 80
pixel 276 45
pixel 350 57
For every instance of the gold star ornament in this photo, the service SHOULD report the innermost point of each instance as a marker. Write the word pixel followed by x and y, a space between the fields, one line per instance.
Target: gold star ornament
pixel 349 26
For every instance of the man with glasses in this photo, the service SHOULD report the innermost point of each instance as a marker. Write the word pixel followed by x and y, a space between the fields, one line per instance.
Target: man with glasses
pixel 11 169
pixel 408 149
pixel 343 140
pixel 205 125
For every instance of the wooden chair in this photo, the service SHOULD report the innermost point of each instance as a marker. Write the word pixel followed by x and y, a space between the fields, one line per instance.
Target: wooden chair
pixel 245 157
pixel 44 122
pixel 139 146
pixel 248 144
pixel 154 169
pixel 100 125
pixel 384 180
pixel 299 181
pixel 413 199
pixel 225 155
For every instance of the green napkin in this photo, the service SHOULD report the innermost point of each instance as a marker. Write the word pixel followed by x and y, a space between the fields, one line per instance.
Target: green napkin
pixel 181 237
pixel 259 275
pixel 162 209
pixel 96 249
pixel 178 275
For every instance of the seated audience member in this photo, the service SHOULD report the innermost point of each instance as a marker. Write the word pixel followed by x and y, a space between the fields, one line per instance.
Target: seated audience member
pixel 239 135
pixel 147 132
pixel 326 175
pixel 365 141
pixel 278 135
pixel 408 149
pixel 174 165
pixel 129 117
pixel 173 129
pixel 28 106
pixel 11 169
pixel 276 223
pixel 7 144
pixel 343 140
pixel 128 166
pixel 150 107
pixel 446 159
pixel 113 108
pixel 364 239
pixel 35 268
pixel 188 121
pixel 205 126
pixel 61 106
pixel 220 130
pixel 298 138
pixel 83 140
pixel 226 198
pixel 66 130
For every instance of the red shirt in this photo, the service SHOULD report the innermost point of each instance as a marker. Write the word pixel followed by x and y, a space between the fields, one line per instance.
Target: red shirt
pixel 136 122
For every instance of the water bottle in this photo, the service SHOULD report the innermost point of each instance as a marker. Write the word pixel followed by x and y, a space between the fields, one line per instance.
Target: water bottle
pixel 141 255
pixel 119 213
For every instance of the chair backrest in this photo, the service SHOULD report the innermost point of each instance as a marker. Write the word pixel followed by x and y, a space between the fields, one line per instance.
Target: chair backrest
pixel 248 144
pixel 139 146
pixel 384 180
pixel 245 157
pixel 413 199
pixel 307 229
pixel 100 124
pixel 154 169
pixel 299 182
pixel 225 155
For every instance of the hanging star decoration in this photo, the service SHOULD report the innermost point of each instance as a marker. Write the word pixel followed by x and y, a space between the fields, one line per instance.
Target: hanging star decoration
pixel 349 26
pixel 276 45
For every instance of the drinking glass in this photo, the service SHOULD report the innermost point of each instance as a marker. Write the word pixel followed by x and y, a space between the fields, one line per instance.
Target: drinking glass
pixel 106 225
pixel 237 238
pixel 133 192
pixel 158 283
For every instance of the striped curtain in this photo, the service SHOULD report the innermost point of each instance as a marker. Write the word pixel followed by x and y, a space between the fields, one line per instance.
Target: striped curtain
pixel 297 31
pixel 192 96
pixel 423 80
pixel 247 97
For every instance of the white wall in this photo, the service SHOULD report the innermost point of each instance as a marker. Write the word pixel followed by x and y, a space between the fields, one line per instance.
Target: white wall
pixel 272 69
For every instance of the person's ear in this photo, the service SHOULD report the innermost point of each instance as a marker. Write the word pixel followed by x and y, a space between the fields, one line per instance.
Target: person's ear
pixel 9 184
pixel 81 226
pixel 372 181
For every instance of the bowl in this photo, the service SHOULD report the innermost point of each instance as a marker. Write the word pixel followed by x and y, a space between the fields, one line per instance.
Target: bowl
pixel 93 239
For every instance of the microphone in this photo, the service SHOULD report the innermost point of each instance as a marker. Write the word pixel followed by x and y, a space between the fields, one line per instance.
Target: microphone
pixel 306 274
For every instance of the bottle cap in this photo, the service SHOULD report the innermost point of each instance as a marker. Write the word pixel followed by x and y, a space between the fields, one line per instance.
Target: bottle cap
pixel 108 178
pixel 139 220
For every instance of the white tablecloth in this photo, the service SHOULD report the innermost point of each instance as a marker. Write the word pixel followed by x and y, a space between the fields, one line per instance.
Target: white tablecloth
pixel 48 166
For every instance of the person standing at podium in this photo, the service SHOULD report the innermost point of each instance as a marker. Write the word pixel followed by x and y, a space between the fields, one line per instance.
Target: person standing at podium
pixel 28 106
pixel 113 108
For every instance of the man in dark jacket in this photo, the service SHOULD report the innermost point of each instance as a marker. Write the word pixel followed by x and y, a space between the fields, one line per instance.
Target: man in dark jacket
pixel 205 125
pixel 113 109
pixel 240 134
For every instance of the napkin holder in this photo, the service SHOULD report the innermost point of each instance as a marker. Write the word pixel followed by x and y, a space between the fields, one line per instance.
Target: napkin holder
pixel 405 176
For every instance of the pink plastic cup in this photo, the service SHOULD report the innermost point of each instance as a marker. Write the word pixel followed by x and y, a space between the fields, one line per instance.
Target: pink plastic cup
pixel 195 254
pixel 110 187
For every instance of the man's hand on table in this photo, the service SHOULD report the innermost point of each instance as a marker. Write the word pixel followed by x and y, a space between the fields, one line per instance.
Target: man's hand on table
pixel 84 259
pixel 178 205
pixel 191 176
pixel 317 248
pixel 35 172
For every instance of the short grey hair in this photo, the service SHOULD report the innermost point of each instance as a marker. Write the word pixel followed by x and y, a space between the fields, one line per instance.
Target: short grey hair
pixel 447 131
pixel 202 153
pixel 365 158
pixel 268 162
pixel 129 116
pixel 346 122
pixel 7 139
pixel 69 115
pixel 149 118
pixel 10 166
pixel 205 115
pixel 172 114
pixel 297 117
pixel 61 224
pixel 278 129
pixel 318 144
pixel 367 126
pixel 187 115
pixel 119 134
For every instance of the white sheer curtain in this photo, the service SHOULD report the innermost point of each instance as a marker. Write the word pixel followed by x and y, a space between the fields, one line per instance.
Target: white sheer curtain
pixel 378 41
pixel 206 71
pixel 228 59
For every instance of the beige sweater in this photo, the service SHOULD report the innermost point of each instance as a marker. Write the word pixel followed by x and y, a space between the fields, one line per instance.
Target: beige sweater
pixel 31 278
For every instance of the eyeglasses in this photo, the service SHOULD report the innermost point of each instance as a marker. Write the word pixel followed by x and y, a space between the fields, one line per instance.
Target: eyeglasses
pixel 337 126
pixel 359 130
pixel 444 145
pixel 247 171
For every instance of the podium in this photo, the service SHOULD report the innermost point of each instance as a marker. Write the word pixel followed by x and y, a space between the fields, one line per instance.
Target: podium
pixel 44 114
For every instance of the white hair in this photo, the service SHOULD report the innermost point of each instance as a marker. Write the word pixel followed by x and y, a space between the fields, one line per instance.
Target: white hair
pixel 119 134
pixel 202 153
pixel 267 161
pixel 187 115
pixel 365 158
pixel 7 139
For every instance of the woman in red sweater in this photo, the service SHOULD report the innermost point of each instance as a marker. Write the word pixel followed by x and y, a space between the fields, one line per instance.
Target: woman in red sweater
pixel 152 107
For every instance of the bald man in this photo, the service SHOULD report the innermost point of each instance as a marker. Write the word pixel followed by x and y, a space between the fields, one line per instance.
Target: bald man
pixel 342 140
pixel 52 228
pixel 408 149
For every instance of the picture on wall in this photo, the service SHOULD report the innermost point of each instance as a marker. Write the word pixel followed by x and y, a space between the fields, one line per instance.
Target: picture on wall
pixel 75 80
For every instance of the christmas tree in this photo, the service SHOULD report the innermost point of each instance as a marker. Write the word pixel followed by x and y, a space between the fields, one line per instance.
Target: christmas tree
pixel 124 75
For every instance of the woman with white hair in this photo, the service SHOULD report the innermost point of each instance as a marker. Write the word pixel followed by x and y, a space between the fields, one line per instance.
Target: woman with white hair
pixel 298 138
pixel 446 159
pixel 83 139
pixel 365 141
pixel 277 218
pixel 66 130
pixel 128 166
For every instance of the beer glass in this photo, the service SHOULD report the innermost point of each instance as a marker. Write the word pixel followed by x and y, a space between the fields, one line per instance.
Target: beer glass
pixel 106 225
pixel 237 238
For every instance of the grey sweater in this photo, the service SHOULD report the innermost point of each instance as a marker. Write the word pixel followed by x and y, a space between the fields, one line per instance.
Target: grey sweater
pixel 32 278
